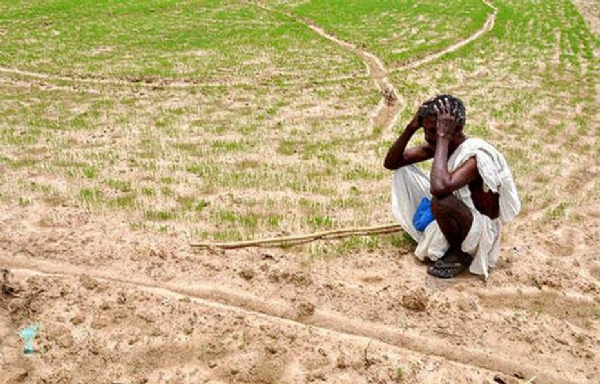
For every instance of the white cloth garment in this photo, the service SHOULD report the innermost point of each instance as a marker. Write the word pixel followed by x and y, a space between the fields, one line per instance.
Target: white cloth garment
pixel 410 185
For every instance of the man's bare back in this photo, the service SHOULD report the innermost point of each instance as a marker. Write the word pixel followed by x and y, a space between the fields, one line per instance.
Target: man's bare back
pixel 488 203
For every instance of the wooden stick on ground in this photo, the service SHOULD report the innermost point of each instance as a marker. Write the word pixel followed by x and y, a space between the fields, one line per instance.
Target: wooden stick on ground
pixel 300 239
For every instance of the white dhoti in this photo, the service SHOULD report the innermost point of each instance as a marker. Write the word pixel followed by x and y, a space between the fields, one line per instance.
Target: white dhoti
pixel 410 185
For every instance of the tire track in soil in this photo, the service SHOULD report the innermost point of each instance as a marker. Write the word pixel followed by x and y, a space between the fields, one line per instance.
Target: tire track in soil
pixel 147 82
pixel 565 306
pixel 130 81
pixel 275 311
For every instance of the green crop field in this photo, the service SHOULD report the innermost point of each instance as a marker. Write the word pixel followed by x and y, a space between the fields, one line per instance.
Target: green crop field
pixel 229 120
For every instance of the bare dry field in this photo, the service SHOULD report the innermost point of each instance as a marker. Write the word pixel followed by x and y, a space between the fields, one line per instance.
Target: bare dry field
pixel 132 129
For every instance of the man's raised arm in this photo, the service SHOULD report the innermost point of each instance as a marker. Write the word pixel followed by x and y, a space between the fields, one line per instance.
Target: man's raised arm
pixel 444 182
pixel 398 156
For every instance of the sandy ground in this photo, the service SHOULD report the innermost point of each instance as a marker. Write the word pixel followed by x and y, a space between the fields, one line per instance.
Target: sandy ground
pixel 117 306
pixel 122 306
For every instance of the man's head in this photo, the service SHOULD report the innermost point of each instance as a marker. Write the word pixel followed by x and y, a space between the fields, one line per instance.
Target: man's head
pixel 429 116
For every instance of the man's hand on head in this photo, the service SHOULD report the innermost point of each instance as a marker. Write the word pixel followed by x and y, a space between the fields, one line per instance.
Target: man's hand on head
pixel 446 119
pixel 417 120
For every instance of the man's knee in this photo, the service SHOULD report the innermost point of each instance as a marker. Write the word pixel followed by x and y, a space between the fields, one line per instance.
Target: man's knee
pixel 453 217
pixel 441 206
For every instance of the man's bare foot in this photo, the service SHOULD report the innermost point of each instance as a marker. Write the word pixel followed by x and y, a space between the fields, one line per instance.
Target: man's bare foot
pixel 451 265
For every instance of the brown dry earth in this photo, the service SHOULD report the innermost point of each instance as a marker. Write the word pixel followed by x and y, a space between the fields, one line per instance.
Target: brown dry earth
pixel 122 306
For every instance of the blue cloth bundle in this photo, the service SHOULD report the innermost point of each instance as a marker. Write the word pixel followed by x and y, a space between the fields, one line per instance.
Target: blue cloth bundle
pixel 423 215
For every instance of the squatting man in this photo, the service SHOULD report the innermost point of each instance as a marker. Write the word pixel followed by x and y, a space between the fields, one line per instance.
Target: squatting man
pixel 456 214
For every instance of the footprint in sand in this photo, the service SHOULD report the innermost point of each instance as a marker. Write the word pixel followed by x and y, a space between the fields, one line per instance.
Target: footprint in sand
pixel 565 242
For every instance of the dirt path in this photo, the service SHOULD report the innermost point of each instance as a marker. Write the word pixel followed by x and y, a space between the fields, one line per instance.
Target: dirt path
pixel 389 107
pixel 487 26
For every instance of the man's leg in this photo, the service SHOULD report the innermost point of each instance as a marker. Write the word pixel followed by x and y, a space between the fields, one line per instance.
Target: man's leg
pixel 409 186
pixel 454 219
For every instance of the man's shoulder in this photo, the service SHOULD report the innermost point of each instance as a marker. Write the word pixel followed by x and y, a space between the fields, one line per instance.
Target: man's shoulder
pixel 476 143
pixel 485 154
